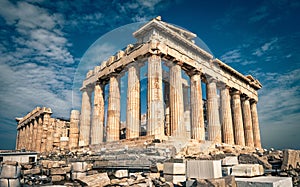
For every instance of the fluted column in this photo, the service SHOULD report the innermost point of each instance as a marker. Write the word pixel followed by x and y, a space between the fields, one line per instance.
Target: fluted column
pixel 21 139
pixel 98 115
pixel 186 109
pixel 35 131
pixel 46 124
pixel 198 130
pixel 155 109
pixel 133 102
pixel 255 124
pixel 237 119
pixel 213 118
pixel 226 117
pixel 27 137
pixel 74 129
pixel 39 134
pixel 18 139
pixel 113 118
pixel 248 130
pixel 176 102
pixel 85 117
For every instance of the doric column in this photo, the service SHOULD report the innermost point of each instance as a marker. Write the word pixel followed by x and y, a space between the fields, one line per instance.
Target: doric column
pixel 35 131
pixel 18 139
pixel 226 117
pixel 176 102
pixel 255 124
pixel 85 117
pixel 52 130
pixel 237 119
pixel 113 117
pixel 213 119
pixel 98 115
pixel 155 109
pixel 30 135
pixel 133 102
pixel 27 131
pixel 21 139
pixel 248 130
pixel 74 129
pixel 46 124
pixel 198 130
pixel 39 134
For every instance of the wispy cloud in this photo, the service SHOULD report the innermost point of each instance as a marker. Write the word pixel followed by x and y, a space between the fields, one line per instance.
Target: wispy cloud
pixel 279 106
pixel 268 46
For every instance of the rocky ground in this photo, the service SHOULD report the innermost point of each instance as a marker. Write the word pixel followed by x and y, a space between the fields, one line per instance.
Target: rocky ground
pixel 80 168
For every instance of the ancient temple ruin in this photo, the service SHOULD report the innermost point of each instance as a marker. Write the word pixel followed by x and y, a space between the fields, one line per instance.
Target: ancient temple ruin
pixel 174 105
pixel 231 97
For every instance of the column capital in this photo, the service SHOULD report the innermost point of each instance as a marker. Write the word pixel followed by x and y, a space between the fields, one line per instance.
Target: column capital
pixel 252 100
pixel 245 97
pixel 235 92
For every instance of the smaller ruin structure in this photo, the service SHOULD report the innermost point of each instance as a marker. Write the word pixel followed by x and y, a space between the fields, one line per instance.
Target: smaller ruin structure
pixel 38 131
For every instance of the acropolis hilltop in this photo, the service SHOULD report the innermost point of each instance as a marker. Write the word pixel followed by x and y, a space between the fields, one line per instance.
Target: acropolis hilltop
pixel 200 113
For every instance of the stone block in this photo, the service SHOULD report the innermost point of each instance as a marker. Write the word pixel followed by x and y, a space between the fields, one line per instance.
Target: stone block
pixel 174 168
pixel 160 166
pixel 57 171
pixel 79 166
pixel 230 161
pixel 121 173
pixel 57 178
pixel 95 180
pixel 32 171
pixel 247 170
pixel 10 183
pixel 76 175
pixel 290 159
pixel 10 172
pixel 204 169
pixel 175 179
pixel 264 181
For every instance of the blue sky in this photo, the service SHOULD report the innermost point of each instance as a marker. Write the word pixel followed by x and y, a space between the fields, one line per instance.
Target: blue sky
pixel 42 44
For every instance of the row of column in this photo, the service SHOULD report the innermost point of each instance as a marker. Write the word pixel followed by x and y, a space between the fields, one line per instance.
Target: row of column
pixel 32 136
pixel 235 123
pixel 43 134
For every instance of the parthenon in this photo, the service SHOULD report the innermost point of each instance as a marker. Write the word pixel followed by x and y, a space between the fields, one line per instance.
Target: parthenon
pixel 175 106
pixel 231 119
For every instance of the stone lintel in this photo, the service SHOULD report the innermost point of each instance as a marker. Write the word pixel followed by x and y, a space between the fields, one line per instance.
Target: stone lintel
pixel 37 112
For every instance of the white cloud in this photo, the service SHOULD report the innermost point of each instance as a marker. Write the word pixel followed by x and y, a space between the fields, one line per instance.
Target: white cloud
pixel 232 56
pixel 268 46
pixel 279 107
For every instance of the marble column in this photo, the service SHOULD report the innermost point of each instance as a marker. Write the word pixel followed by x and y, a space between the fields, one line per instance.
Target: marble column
pixel 198 130
pixel 27 131
pixel 98 115
pixel 74 129
pixel 39 134
pixel 155 107
pixel 46 124
pixel 18 139
pixel 52 130
pixel 255 124
pixel 237 119
pixel 226 117
pixel 85 117
pixel 176 102
pixel 248 130
pixel 133 102
pixel 213 118
pixel 35 131
pixel 21 139
pixel 113 111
